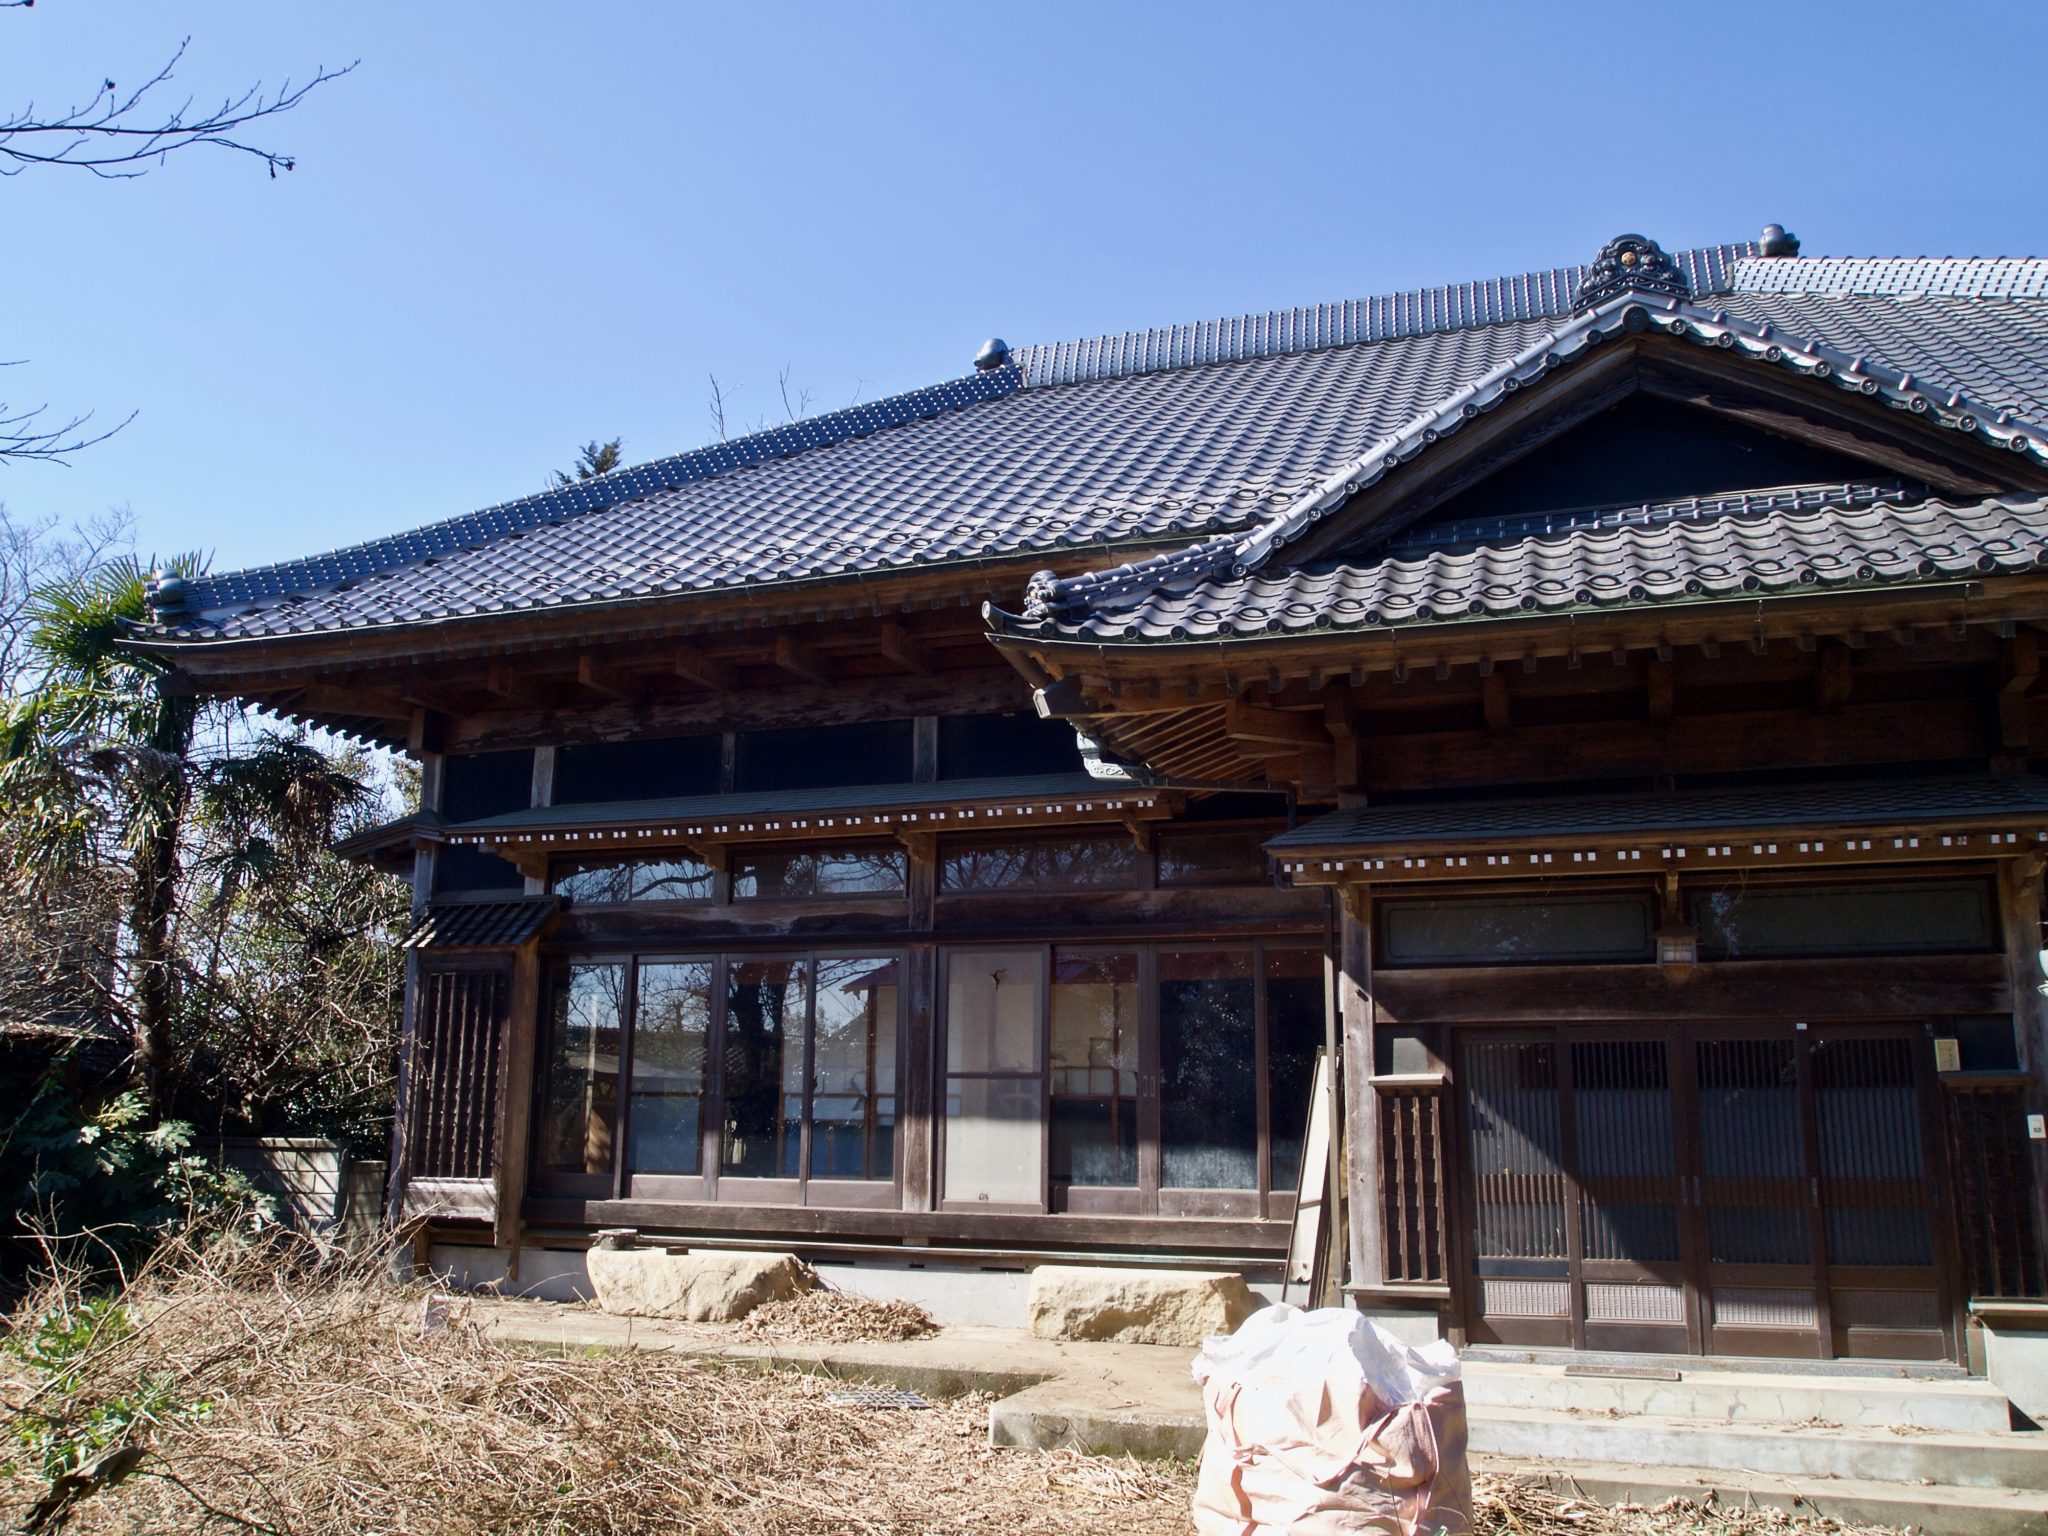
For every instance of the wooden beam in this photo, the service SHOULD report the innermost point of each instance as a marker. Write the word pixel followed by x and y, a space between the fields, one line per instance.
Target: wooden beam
pixel 503 681
pixel 329 699
pixel 1832 682
pixel 899 646
pixel 799 660
pixel 2019 669
pixel 600 676
pixel 692 665
pixel 1493 700
pixel 1663 691
pixel 1253 723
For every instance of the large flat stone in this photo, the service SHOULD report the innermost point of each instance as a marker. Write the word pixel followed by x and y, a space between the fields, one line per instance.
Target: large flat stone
pixel 1137 1306
pixel 692 1287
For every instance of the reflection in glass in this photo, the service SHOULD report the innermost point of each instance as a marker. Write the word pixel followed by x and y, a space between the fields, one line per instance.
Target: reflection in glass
pixel 671 878
pixel 766 1001
pixel 1095 1067
pixel 1912 917
pixel 853 1082
pixel 582 1082
pixel 994 1012
pixel 1295 1009
pixel 1511 930
pixel 1226 856
pixel 671 1025
pixel 1041 864
pixel 1208 1035
pixel 775 875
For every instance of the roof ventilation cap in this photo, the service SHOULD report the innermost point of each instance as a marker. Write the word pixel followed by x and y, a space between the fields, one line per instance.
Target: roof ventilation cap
pixel 1778 241
pixel 994 353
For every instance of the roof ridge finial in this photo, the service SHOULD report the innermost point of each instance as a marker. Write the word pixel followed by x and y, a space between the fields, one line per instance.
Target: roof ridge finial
pixel 1631 264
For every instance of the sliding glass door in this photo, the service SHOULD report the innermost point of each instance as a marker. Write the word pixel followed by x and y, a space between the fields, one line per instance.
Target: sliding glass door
pixel 1131 1080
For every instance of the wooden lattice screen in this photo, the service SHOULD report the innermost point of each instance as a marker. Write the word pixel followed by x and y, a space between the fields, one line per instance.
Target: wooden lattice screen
pixel 2002 1242
pixel 452 1082
pixel 1411 1182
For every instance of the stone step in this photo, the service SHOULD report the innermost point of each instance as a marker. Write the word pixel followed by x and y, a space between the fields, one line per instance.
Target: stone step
pixel 1743 1397
pixel 1948 1458
pixel 1898 1506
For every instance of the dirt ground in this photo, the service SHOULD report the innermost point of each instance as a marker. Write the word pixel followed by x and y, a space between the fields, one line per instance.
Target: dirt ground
pixel 252 1390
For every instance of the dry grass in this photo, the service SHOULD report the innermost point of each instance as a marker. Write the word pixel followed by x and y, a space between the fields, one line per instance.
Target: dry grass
pixel 301 1394
pixel 823 1315
pixel 336 1404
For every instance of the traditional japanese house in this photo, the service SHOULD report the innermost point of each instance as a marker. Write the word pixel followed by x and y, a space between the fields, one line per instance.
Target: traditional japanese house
pixel 941 835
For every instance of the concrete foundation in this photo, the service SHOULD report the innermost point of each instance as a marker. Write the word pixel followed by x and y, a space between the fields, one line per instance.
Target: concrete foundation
pixel 2016 1360
pixel 955 1295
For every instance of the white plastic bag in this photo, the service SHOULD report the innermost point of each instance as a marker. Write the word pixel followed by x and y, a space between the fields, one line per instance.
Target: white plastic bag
pixel 1322 1424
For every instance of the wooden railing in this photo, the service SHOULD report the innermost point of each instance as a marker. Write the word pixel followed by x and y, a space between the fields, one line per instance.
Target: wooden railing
pixel 1411 1116
pixel 452 1078
pixel 1994 1172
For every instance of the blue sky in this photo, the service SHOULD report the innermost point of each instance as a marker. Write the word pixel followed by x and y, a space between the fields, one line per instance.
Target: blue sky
pixel 519 226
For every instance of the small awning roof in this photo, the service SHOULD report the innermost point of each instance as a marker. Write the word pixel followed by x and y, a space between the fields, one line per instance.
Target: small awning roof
pixel 856 811
pixel 1870 821
pixel 504 924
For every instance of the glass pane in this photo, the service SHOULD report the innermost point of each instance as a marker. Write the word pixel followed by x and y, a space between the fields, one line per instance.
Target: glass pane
pixel 1912 917
pixel 853 1087
pixel 1233 854
pixel 671 1030
pixel 677 878
pixel 582 1091
pixel 992 1150
pixel 764 1040
pixel 874 871
pixel 1037 865
pixel 1095 1067
pixel 1208 1110
pixel 992 1009
pixel 1294 1034
pixel 1515 930
pixel 1515 1136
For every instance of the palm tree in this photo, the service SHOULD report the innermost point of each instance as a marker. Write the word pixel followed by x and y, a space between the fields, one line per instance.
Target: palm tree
pixel 100 763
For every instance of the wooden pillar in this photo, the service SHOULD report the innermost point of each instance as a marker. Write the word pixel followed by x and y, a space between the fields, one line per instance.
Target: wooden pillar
pixel 916 1102
pixel 543 795
pixel 1361 1136
pixel 2019 889
pixel 432 774
pixel 515 1098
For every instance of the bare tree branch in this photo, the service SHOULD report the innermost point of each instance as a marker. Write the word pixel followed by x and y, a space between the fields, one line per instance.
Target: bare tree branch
pixel 116 134
pixel 719 396
pixel 798 409
pixel 23 434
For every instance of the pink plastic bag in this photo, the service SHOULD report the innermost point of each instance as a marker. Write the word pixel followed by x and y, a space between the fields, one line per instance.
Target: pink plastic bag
pixel 1321 1424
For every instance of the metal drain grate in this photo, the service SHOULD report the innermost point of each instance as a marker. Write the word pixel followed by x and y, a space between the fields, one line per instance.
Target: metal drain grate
pixel 876 1397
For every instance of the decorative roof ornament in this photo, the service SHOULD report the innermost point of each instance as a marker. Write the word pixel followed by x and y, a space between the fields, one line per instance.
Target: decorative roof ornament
pixel 1631 264
pixel 1778 241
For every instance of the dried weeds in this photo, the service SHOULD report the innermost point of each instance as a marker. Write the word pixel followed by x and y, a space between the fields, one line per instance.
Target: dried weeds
pixel 827 1316
pixel 314 1397
pixel 289 1390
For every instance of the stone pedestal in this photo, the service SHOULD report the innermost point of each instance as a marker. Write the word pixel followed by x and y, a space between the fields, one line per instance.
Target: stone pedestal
pixel 691 1287
pixel 1137 1306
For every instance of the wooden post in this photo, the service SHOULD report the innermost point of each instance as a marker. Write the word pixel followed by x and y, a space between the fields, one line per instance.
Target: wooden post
pixel 543 795
pixel 515 1099
pixel 1361 1100
pixel 916 1111
pixel 433 769
pixel 2019 889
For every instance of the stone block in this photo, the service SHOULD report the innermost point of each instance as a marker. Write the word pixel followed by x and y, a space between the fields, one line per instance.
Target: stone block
pixel 1137 1306
pixel 707 1287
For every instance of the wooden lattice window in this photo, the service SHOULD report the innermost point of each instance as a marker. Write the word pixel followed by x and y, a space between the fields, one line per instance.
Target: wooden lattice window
pixel 1411 1182
pixel 1995 1190
pixel 452 1081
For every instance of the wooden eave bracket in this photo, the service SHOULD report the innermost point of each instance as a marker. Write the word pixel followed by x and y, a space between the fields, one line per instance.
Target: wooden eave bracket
pixel 692 665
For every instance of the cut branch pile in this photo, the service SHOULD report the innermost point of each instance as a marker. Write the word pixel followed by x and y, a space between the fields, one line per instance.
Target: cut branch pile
pixel 825 1316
